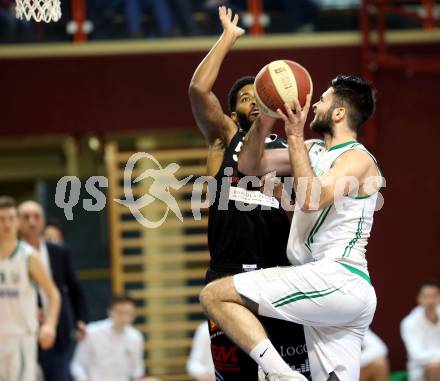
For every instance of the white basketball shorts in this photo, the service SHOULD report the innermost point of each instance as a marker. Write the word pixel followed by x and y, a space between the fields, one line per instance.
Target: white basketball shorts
pixel 334 302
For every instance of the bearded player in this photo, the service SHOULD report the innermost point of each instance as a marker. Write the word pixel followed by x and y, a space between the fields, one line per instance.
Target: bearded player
pixel 328 289
pixel 239 241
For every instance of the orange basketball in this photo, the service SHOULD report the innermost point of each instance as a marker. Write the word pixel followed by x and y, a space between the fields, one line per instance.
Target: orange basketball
pixel 280 82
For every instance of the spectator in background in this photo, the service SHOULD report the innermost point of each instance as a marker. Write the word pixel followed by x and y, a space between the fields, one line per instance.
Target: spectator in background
pixel 297 15
pixel 11 29
pixel 184 15
pixel 162 14
pixel 7 22
pixel 58 263
pixel 54 233
pixel 300 15
pixel 374 362
pixel 200 364
pixel 112 349
pixel 420 332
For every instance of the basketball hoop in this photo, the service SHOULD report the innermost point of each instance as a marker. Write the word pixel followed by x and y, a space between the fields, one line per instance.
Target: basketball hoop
pixel 38 10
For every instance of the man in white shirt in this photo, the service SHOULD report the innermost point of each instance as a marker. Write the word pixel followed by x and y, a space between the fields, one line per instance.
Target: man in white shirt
pixel 420 332
pixel 374 362
pixel 200 364
pixel 112 349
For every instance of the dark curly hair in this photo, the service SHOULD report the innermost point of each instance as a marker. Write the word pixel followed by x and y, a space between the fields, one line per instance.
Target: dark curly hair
pixel 238 84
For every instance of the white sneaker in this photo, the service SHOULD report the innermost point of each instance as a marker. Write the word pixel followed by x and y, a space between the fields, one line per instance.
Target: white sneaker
pixel 285 377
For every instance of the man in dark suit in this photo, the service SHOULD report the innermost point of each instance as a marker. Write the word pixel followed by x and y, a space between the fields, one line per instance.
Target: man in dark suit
pixel 58 262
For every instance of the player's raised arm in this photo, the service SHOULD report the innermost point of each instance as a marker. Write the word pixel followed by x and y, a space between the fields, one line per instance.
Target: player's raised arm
pixel 255 159
pixel 39 275
pixel 205 106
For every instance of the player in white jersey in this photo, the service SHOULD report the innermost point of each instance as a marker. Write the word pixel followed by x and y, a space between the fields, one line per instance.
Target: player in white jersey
pixel 20 272
pixel 329 291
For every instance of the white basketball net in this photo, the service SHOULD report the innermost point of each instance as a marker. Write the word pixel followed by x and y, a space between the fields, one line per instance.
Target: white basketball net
pixel 39 10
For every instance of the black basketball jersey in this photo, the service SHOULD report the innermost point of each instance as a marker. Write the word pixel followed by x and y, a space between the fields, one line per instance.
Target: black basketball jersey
pixel 237 237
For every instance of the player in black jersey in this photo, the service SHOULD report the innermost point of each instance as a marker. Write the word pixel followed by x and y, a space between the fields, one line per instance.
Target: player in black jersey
pixel 239 240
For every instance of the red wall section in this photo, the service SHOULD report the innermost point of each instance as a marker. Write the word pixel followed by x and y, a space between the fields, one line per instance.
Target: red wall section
pixel 121 93
pixel 79 95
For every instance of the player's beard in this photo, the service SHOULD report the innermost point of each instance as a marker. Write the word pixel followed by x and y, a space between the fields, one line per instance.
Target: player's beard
pixel 323 124
pixel 243 121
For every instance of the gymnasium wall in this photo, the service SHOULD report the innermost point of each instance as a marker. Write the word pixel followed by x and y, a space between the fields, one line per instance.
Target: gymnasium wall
pixel 148 92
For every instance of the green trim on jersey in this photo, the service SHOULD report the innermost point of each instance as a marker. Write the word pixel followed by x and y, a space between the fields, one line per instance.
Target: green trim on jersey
pixel 15 250
pixel 362 197
pixel 342 145
pixel 358 234
pixel 316 226
pixel 303 295
pixel 356 271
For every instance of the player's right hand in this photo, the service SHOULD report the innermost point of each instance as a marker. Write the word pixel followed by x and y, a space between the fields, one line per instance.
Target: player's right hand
pixel 229 23
pixel 46 337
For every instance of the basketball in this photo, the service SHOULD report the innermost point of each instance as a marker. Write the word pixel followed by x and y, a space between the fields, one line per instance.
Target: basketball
pixel 279 82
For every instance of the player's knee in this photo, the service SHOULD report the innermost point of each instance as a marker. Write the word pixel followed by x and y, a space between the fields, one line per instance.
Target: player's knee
pixel 208 296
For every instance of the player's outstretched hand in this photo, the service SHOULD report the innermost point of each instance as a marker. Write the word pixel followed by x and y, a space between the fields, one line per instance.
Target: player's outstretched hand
pixel 294 120
pixel 46 337
pixel 229 22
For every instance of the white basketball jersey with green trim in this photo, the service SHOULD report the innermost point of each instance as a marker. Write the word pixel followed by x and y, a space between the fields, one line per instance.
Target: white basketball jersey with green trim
pixel 339 232
pixel 18 295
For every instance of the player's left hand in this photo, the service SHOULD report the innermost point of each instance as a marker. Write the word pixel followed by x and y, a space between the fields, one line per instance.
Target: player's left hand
pixel 265 122
pixel 47 335
pixel 271 185
pixel 294 121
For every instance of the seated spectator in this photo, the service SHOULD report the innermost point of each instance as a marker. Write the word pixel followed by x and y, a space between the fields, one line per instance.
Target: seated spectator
pixel 12 30
pixel 300 14
pixel 420 332
pixel 183 10
pixel 200 365
pixel 374 362
pixel 112 349
pixel 162 14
